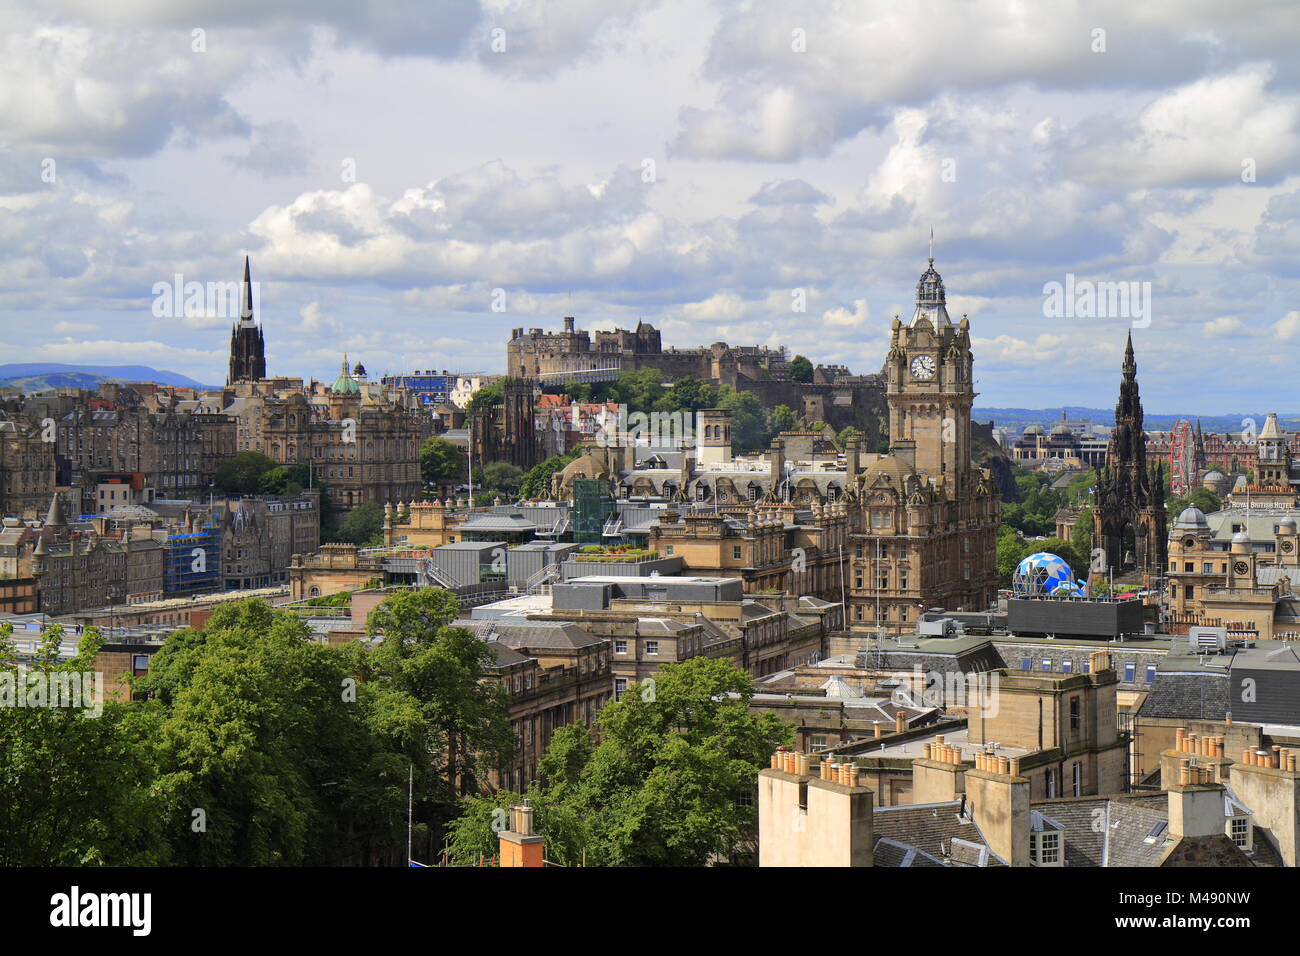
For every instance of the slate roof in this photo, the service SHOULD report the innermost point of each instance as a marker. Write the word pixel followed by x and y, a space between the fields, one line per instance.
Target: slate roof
pixel 1202 696
pixel 499 522
pixel 1132 830
pixel 533 634
pixel 930 828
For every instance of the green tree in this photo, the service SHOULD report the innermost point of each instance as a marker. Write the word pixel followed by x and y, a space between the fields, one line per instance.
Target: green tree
pixel 267 757
pixel 500 477
pixel 801 369
pixel 640 390
pixel 846 435
pixel 1011 550
pixel 487 396
pixel 781 419
pixel 749 431
pixel 537 482
pixel 667 781
pixel 687 395
pixel 474 832
pixel 434 686
pixel 75 789
pixel 285 479
pixel 578 391
pixel 441 462
pixel 362 526
pixel 1081 537
pixel 242 474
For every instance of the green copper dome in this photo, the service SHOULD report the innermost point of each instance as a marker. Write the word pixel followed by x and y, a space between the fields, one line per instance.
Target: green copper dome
pixel 345 384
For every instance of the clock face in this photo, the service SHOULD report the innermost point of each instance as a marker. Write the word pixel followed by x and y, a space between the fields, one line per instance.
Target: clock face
pixel 1241 567
pixel 923 367
pixel 1287 546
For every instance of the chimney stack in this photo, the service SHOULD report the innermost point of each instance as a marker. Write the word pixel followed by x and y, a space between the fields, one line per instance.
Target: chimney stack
pixel 520 845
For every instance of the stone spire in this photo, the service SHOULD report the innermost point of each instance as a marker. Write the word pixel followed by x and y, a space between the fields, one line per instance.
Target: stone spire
pixel 247 345
pixel 54 517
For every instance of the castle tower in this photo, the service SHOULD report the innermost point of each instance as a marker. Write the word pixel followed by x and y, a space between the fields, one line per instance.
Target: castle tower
pixel 1130 499
pixel 247 347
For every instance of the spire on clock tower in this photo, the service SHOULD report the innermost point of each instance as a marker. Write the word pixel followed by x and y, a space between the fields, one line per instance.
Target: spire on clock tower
pixel 931 303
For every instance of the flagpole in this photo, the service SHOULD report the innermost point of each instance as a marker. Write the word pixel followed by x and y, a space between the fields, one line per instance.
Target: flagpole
pixel 410 791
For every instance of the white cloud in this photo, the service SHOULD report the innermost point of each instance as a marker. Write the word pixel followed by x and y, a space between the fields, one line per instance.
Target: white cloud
pixel 73 328
pixel 1287 327
pixel 1223 327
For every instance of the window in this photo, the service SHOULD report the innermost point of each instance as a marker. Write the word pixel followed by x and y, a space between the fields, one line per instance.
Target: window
pixel 1241 832
pixel 1130 671
pixel 735 552
pixel 1076 719
pixel 1045 849
pixel 1151 673
pixel 668 550
pixel 817 742
pixel 652 648
pixel 620 647
pixel 620 685
pixel 1067 667
pixel 1207 568
pixel 1026 664
pixel 1078 780
pixel 1045 664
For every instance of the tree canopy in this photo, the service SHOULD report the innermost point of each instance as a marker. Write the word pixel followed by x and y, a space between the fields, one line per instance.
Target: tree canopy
pixel 667 784
pixel 441 462
pixel 242 473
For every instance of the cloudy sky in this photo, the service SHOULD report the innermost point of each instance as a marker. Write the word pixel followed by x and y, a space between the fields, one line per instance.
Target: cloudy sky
pixel 702 165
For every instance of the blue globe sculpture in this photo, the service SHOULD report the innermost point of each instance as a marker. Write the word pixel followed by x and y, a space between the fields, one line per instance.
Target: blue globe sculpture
pixel 1044 573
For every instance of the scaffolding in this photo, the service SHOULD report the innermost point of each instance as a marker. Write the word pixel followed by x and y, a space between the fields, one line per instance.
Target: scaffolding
pixel 184 570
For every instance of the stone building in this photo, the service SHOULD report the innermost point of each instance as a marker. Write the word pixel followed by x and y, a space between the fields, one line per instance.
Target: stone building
pixel 27 467
pixel 361 438
pixel 1235 569
pixel 834 395
pixel 554 674
pixel 261 535
pixel 927 519
pixel 175 444
pixel 76 569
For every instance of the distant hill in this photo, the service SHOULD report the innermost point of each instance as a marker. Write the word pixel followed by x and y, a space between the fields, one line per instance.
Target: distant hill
pixel 40 376
pixel 1019 418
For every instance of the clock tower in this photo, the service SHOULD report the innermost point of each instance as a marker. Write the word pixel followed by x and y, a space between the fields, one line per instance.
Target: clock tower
pixel 930 391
